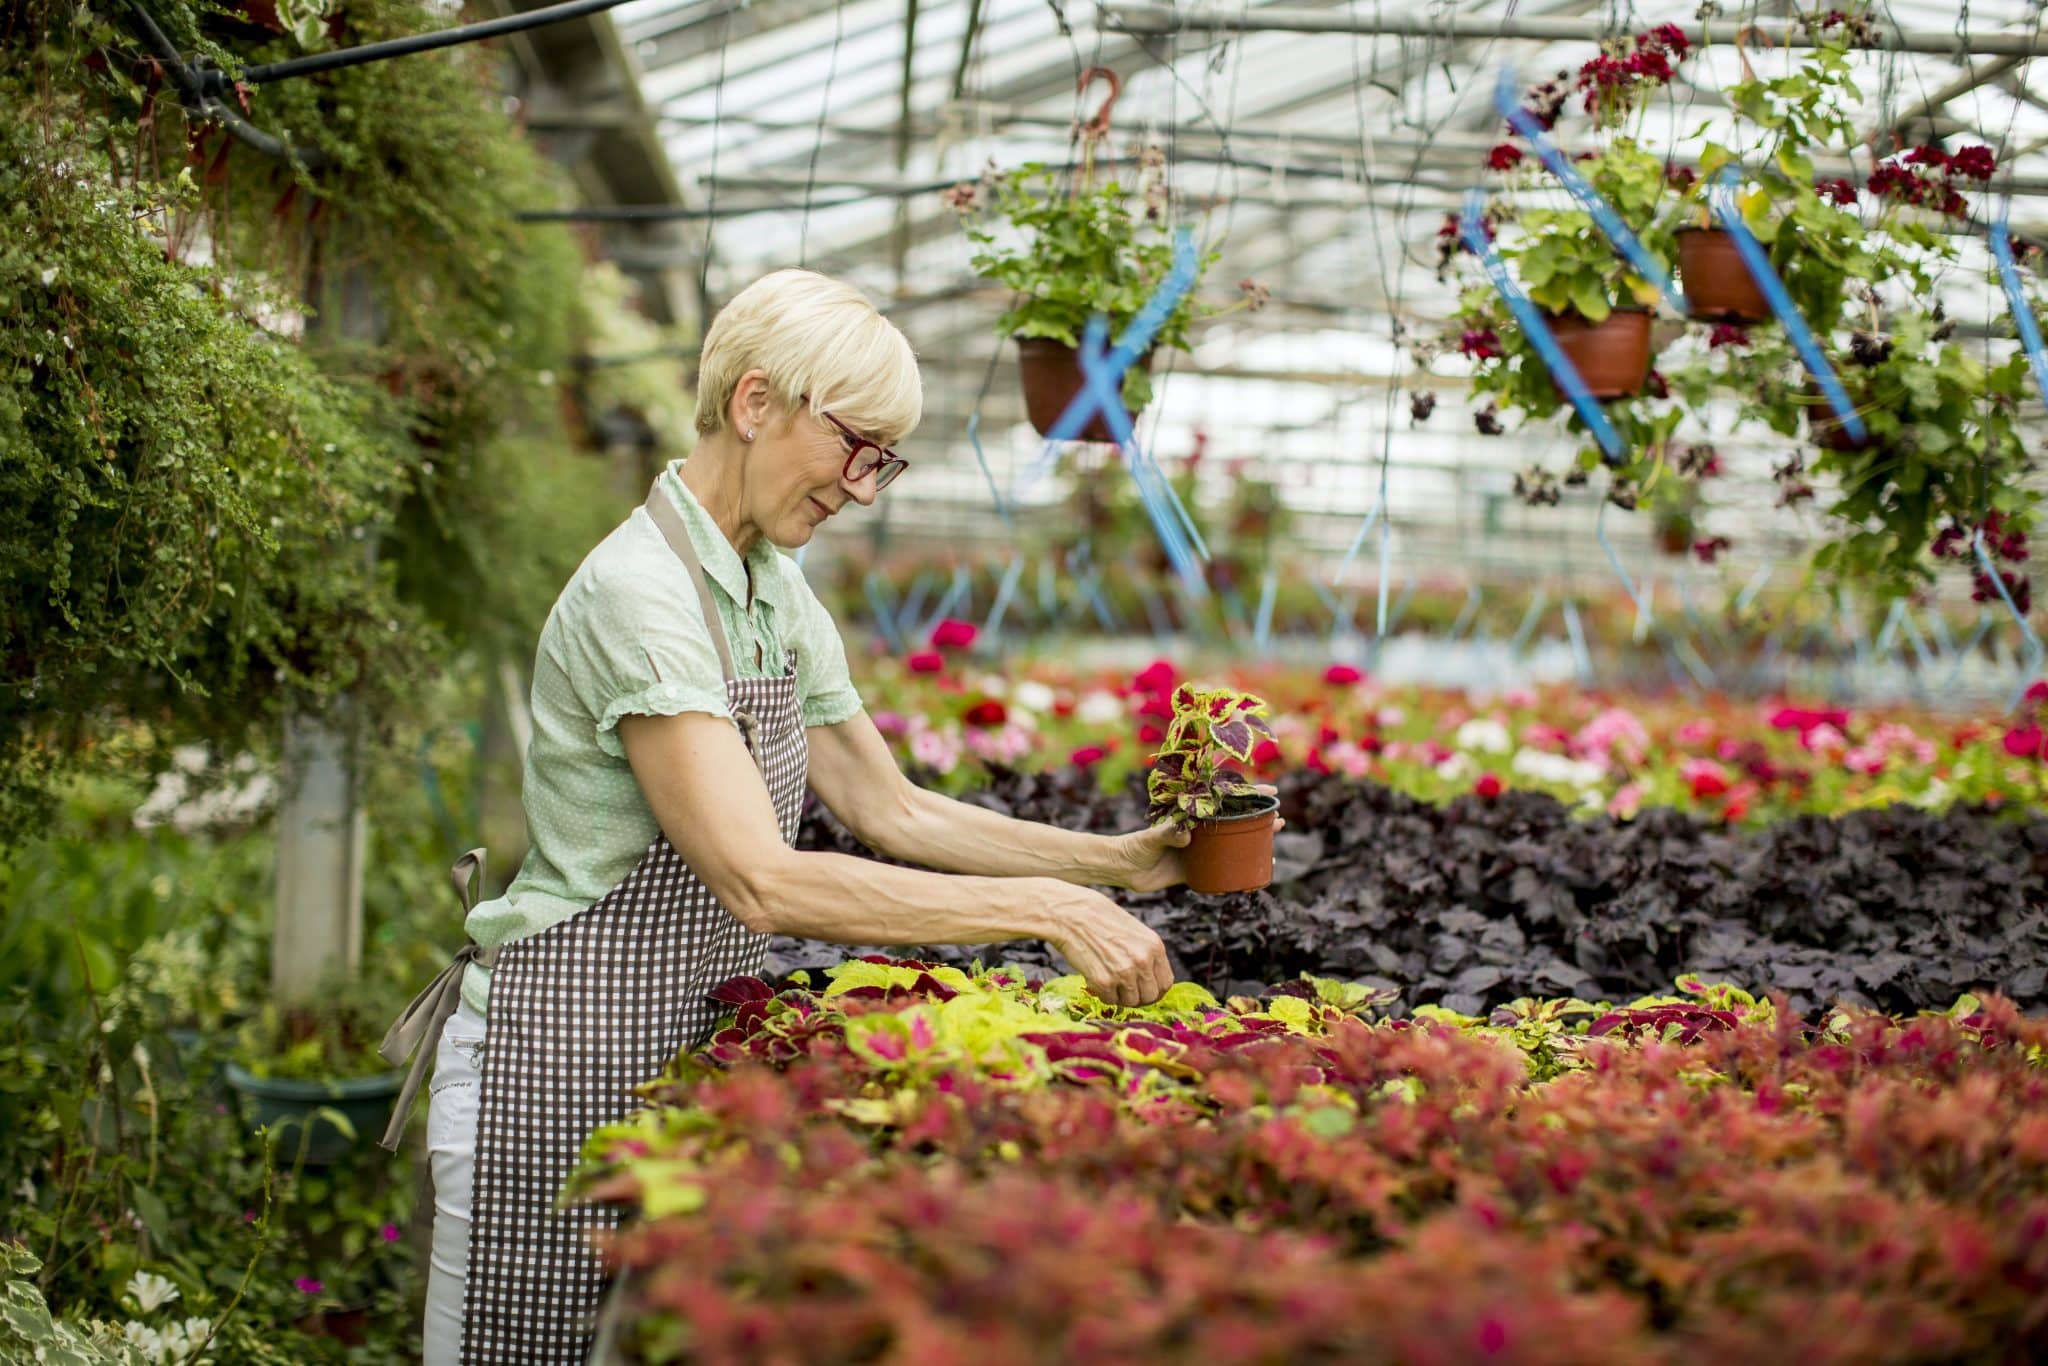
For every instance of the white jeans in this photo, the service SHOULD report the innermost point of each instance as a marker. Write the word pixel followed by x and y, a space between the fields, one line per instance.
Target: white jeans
pixel 454 1097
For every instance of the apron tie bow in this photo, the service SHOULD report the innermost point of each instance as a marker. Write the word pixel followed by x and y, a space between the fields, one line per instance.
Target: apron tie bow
pixel 416 1034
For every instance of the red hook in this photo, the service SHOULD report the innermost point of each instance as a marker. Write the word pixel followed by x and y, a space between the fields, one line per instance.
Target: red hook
pixel 1098 127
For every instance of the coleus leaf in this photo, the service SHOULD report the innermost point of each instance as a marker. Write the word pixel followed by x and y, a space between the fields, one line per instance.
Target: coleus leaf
pixel 1233 737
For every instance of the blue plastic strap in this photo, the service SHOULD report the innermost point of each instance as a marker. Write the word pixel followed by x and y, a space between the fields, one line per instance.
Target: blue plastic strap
pixel 1466 613
pixel 1796 331
pixel 1643 613
pixel 1473 230
pixel 1582 659
pixel 981 458
pixel 1508 100
pixel 1372 520
pixel 1753 587
pixel 1379 631
pixel 2031 665
pixel 1529 620
pixel 1007 589
pixel 885 616
pixel 2022 311
pixel 1262 628
pixel 955 593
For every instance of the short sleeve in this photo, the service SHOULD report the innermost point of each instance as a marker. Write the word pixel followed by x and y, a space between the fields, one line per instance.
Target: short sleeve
pixel 824 683
pixel 636 648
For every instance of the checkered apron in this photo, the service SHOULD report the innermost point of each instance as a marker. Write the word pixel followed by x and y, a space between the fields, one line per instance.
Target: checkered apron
pixel 583 1012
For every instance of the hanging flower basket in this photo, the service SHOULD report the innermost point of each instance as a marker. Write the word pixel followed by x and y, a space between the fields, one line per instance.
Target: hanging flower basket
pixel 1052 376
pixel 1718 285
pixel 1612 356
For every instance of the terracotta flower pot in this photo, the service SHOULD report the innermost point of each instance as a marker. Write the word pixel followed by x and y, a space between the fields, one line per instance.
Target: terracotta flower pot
pixel 1824 425
pixel 1052 376
pixel 1718 286
pixel 1234 852
pixel 1612 357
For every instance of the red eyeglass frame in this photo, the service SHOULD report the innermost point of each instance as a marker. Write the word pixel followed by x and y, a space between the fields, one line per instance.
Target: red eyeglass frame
pixel 885 469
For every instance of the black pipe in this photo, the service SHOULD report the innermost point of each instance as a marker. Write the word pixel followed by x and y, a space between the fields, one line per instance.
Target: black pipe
pixel 201 102
pixel 419 42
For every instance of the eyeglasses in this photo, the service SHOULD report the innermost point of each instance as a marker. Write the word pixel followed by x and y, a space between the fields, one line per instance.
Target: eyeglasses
pixel 885 466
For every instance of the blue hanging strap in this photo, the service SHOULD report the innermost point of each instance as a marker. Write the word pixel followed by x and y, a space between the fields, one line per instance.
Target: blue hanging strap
pixel 2022 311
pixel 1582 659
pixel 1644 616
pixel 1473 230
pixel 1529 620
pixel 2030 666
pixel 1722 197
pixel 992 628
pixel 981 458
pixel 956 593
pixel 877 591
pixel 1508 100
pixel 1262 628
pixel 1468 612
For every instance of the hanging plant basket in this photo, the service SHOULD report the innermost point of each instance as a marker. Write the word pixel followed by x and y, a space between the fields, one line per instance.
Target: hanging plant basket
pixel 1718 286
pixel 1052 376
pixel 1233 852
pixel 1611 356
pixel 1824 425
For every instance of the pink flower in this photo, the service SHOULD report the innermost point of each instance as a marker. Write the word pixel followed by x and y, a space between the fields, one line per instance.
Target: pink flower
pixel 1824 739
pixel 953 635
pixel 308 1286
pixel 1488 786
pixel 390 1233
pixel 1149 734
pixel 1615 731
pixel 1087 756
pixel 1341 675
pixel 1864 759
pixel 1705 777
pixel 891 722
pixel 1694 733
pixel 1158 676
pixel 926 662
pixel 1806 718
pixel 1626 801
pixel 2025 742
pixel 936 750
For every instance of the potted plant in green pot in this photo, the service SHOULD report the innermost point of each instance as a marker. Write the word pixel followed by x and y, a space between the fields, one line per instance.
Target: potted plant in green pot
pixel 1069 254
pixel 297 1068
pixel 1192 783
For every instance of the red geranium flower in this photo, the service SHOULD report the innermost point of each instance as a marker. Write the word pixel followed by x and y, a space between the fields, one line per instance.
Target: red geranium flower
pixel 1488 786
pixel 1504 157
pixel 1149 734
pixel 1087 756
pixel 986 713
pixel 926 662
pixel 2024 742
pixel 1340 675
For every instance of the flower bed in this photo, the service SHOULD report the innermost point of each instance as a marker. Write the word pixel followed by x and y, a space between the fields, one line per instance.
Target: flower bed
pixel 917 1165
pixel 1478 901
pixel 1739 762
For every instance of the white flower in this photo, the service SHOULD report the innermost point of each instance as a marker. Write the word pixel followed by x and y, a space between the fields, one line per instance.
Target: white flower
pixel 1456 767
pixel 50 276
pixel 1932 797
pixel 1034 695
pixel 151 1292
pixel 1557 768
pixel 1482 733
pixel 145 1340
pixel 1099 708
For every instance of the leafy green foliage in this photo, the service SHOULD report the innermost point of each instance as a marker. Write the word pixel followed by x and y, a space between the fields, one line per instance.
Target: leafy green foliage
pixel 1288 1179
pixel 1211 728
pixel 273 437
pixel 1092 250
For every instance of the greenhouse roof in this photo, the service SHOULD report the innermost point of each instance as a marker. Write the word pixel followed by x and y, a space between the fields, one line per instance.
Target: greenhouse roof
pixel 1321 163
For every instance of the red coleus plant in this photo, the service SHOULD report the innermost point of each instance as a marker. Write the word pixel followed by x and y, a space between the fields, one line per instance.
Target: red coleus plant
pixel 1190 779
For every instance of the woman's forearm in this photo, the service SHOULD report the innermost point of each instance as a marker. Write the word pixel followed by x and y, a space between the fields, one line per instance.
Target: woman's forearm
pixel 848 900
pixel 935 831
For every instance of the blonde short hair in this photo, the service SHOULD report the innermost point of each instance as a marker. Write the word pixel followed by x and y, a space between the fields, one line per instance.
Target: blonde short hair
pixel 812 335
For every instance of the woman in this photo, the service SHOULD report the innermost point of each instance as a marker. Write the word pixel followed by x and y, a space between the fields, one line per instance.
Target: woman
pixel 688 686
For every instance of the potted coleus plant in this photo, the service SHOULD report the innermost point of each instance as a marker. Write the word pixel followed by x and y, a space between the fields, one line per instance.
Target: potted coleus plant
pixel 1192 784
pixel 1072 253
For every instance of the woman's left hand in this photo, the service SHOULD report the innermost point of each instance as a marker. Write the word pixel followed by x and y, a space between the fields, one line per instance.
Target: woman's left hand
pixel 1150 860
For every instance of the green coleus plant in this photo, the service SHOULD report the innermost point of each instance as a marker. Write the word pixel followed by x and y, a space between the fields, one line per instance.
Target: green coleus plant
pixel 1071 254
pixel 1190 779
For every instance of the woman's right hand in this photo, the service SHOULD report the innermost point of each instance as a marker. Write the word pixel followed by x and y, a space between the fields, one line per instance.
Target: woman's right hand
pixel 1123 960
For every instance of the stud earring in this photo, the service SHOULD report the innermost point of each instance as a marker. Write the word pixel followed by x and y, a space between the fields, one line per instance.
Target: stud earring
pixel 750 434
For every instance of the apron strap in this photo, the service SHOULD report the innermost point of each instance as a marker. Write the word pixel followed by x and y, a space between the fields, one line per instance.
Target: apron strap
pixel 663 510
pixel 417 1032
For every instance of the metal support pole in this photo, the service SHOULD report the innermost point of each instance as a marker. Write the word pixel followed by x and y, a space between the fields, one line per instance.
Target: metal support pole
pixel 1160 20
